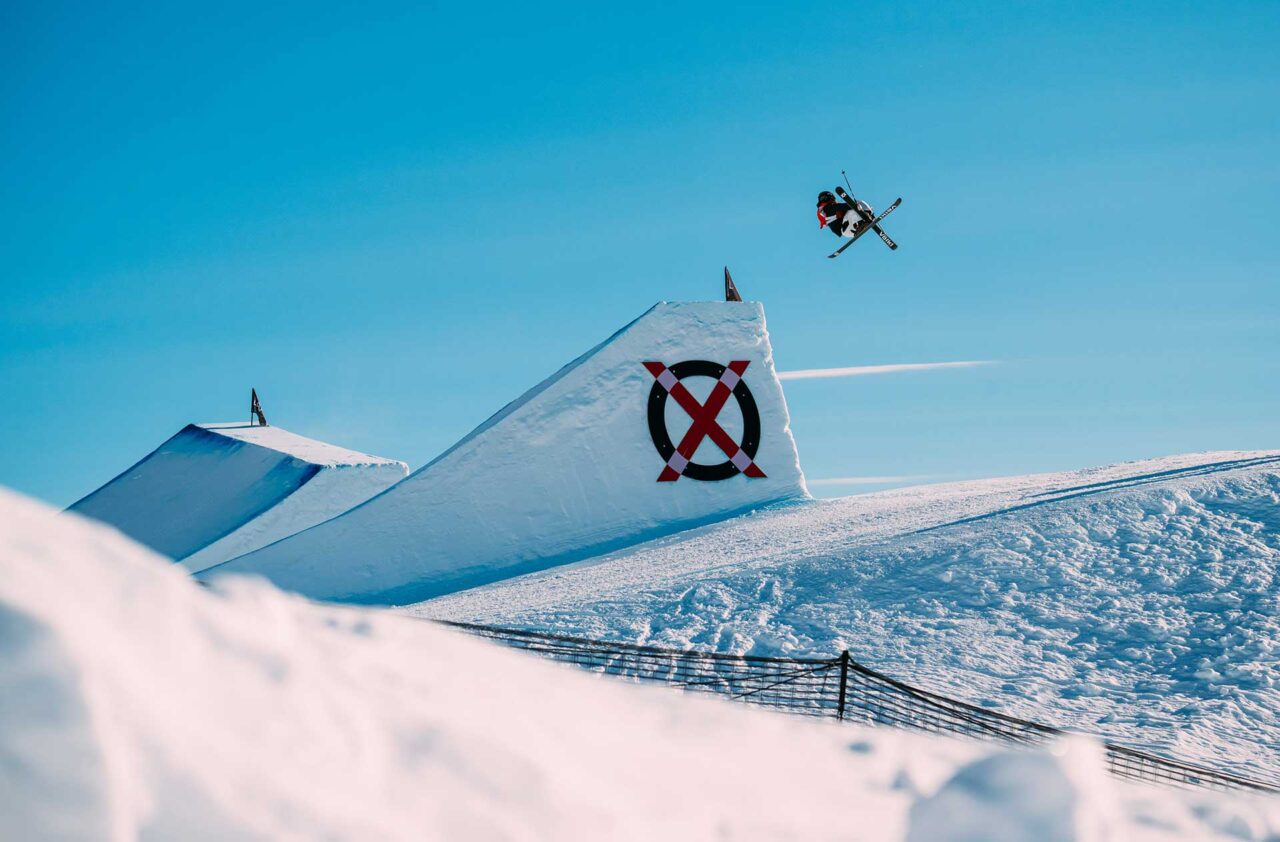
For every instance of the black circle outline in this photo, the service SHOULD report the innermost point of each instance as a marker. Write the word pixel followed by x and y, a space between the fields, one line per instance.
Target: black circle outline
pixel 662 439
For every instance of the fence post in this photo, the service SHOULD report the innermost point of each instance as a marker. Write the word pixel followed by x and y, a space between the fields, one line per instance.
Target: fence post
pixel 844 681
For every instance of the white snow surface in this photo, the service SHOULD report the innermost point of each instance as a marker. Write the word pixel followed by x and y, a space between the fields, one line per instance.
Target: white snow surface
pixel 565 472
pixel 216 491
pixel 135 704
pixel 1139 601
pixel 302 448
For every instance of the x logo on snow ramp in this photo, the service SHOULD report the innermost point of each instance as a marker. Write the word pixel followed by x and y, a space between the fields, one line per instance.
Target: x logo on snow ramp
pixel 678 457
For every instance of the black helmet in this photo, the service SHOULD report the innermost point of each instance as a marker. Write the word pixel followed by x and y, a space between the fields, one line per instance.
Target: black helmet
pixel 826 197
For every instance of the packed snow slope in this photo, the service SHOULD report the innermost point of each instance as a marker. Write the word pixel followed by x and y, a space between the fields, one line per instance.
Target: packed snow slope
pixel 216 491
pixel 245 713
pixel 1139 601
pixel 567 471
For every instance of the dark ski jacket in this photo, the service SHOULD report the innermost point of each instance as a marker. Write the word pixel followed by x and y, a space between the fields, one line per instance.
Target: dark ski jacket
pixel 831 215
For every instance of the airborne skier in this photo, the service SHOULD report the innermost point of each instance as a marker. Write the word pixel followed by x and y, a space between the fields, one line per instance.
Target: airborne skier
pixel 851 218
pixel 843 219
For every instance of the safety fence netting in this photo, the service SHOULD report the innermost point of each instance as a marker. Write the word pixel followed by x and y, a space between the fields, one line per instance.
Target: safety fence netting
pixel 837 688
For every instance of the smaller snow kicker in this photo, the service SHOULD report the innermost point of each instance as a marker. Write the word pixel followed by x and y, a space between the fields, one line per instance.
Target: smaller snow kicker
pixel 728 382
pixel 216 491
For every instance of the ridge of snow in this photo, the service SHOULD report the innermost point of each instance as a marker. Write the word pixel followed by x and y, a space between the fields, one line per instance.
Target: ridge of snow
pixel 312 451
pixel 1139 601
pixel 244 713
pixel 534 391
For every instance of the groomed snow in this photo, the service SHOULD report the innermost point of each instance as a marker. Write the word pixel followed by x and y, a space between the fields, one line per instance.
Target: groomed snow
pixel 1139 601
pixel 215 491
pixel 135 704
pixel 299 447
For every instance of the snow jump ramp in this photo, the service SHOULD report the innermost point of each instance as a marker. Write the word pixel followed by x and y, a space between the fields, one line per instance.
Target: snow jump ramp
pixel 216 491
pixel 676 421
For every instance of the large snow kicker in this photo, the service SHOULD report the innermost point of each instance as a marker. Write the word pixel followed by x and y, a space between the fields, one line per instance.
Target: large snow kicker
pixel 675 421
pixel 215 491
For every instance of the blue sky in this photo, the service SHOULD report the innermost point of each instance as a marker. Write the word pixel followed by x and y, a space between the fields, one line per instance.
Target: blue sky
pixel 393 222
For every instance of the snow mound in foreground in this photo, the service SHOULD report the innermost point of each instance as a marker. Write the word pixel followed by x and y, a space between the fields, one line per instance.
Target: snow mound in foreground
pixel 137 704
pixel 215 491
pixel 1139 601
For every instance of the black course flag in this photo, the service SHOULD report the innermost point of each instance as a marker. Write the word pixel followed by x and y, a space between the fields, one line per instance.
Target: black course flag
pixel 255 409
pixel 730 290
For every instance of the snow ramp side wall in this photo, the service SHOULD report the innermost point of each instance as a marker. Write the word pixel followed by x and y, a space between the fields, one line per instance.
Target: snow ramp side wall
pixel 216 491
pixel 195 488
pixel 573 468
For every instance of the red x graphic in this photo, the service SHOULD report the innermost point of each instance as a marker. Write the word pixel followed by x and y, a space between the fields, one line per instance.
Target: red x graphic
pixel 704 420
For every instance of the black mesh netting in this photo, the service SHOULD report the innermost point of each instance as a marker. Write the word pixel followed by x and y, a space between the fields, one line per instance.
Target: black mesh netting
pixel 840 688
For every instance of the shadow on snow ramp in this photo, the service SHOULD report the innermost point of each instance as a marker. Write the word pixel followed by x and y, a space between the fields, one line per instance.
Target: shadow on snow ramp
pixel 216 491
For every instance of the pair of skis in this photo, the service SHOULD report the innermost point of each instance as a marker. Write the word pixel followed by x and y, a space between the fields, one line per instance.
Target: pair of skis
pixel 869 223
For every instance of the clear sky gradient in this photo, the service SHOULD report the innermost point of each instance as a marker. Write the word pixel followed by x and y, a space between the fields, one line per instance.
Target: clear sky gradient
pixel 393 222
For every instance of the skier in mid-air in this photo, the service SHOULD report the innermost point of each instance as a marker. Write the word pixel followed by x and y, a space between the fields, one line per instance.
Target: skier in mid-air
pixel 851 218
pixel 841 217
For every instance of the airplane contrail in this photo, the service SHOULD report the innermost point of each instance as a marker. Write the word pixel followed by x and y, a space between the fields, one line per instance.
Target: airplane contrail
pixel 863 370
